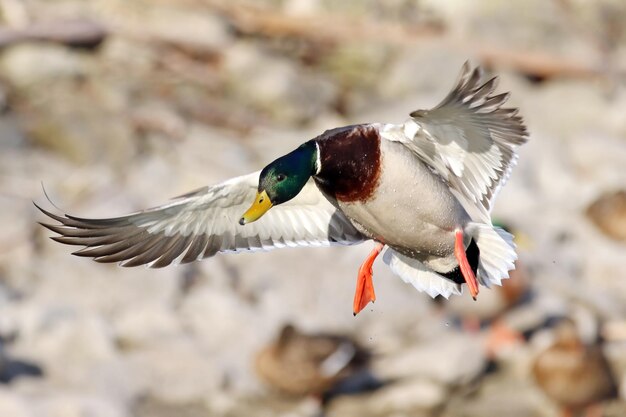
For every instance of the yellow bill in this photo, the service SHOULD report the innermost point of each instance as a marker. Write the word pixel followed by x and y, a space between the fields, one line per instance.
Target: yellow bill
pixel 260 206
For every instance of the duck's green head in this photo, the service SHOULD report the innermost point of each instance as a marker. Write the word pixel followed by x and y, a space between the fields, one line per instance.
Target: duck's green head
pixel 282 180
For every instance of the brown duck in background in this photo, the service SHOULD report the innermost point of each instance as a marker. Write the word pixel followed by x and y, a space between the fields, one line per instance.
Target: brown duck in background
pixel 608 214
pixel 301 364
pixel 574 375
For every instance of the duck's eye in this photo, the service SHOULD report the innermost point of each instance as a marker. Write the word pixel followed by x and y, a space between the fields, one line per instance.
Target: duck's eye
pixel 280 177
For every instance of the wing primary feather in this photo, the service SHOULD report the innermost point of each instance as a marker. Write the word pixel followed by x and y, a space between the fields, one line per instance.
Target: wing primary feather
pixel 493 103
pixel 141 255
pixel 69 231
pixel 63 220
pixel 180 244
pixel 195 249
pixel 119 246
pixel 101 240
pixel 213 246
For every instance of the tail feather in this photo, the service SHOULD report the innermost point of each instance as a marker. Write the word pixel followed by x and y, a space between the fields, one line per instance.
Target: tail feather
pixel 497 252
pixel 496 259
pixel 419 275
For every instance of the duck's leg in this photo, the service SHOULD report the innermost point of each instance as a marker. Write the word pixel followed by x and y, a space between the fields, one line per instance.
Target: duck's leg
pixel 466 269
pixel 364 287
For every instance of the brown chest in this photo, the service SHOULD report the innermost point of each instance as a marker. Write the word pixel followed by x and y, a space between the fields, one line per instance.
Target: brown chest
pixel 350 162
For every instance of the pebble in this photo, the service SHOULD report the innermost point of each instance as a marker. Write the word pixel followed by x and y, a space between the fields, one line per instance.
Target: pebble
pixel 21 65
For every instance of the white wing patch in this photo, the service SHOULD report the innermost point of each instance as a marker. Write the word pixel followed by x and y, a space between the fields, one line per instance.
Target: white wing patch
pixel 469 140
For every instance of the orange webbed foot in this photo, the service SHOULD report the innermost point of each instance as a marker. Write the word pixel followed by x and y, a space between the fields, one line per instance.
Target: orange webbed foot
pixel 364 286
pixel 466 269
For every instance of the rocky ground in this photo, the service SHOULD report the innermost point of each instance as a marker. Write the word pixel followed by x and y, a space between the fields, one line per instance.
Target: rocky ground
pixel 118 105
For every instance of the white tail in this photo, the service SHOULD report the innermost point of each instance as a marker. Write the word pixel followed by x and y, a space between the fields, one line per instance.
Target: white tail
pixel 419 275
pixel 497 252
pixel 497 257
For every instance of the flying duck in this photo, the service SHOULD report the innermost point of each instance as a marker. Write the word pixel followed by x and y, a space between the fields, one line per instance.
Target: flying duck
pixel 422 190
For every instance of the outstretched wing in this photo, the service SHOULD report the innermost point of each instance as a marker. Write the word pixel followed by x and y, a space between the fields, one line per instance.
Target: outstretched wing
pixel 202 223
pixel 469 140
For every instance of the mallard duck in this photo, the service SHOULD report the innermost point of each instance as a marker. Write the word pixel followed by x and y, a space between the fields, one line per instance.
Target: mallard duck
pixel 301 364
pixel 573 374
pixel 424 189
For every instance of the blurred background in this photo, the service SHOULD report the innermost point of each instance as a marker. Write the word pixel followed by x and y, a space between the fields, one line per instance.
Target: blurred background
pixel 118 105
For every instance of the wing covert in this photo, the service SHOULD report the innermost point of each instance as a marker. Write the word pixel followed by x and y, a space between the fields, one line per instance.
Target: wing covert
pixel 469 140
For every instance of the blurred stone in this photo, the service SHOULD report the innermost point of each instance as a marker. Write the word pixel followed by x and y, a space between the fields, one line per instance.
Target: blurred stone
pixel 608 213
pixel 266 81
pixel 590 111
pixel 11 369
pixel 152 407
pixel 408 396
pixel 182 25
pixel 145 326
pixel 67 404
pixel 415 397
pixel 66 119
pixel 86 286
pixel 11 404
pixel 356 69
pixel 592 157
pixel 28 64
pixel 615 409
pixel 302 7
pixel 501 394
pixel 157 118
pixel 175 371
pixel 135 56
pixel 426 74
pixel 216 318
pixel 12 136
pixel 14 13
pixel 66 344
pixel 450 358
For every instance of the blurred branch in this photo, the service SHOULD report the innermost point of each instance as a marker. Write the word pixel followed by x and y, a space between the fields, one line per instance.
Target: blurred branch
pixel 321 28
pixel 83 33
pixel 337 29
pixel 217 113
pixel 537 64
pixel 189 69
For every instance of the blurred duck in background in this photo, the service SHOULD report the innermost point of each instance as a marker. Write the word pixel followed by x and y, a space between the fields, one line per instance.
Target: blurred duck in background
pixel 317 364
pixel 574 374
pixel 608 214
